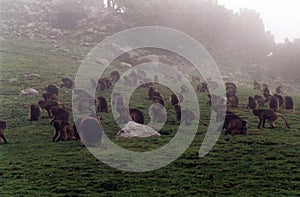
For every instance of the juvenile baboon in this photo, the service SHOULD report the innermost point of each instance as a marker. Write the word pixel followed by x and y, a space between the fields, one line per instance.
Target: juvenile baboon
pixel 151 90
pixel 184 89
pixel 50 95
pixel 159 100
pixel 35 112
pixel 252 103
pixel 232 101
pixel 279 90
pixel 188 116
pixel 67 83
pixel 177 109
pixel 202 87
pixel 135 114
pixel 156 79
pixel 48 105
pixel 269 115
pixel 2 130
pixel 256 85
pixel 51 88
pixel 115 76
pixel 260 100
pixel 174 99
pixel 274 104
pixel 158 114
pixel 90 132
pixel 59 114
pixel 234 124
pixel 64 130
pixel 288 103
pixel 280 99
pixel 102 104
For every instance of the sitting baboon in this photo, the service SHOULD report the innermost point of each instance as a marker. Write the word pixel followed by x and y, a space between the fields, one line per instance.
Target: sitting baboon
pixel 107 82
pixel 151 90
pixel 135 114
pixel 101 85
pixel 48 105
pixel 279 90
pixel 2 130
pixel 90 132
pixel 65 130
pixel 174 99
pixel 67 83
pixel 202 87
pixel 50 95
pixel 177 109
pixel 280 99
pixel 256 85
pixel 157 94
pixel 102 104
pixel 51 88
pixel 274 104
pixel 156 79
pixel 230 91
pixel 252 103
pixel 35 112
pixel 157 113
pixel 288 103
pixel 260 100
pixel 184 89
pixel 270 115
pixel 234 124
pixel 59 114
pixel 115 76
pixel 187 116
pixel 159 100
pixel 232 101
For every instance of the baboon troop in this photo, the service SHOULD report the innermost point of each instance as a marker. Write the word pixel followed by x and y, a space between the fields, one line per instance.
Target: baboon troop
pixel 35 112
pixel 2 131
pixel 268 115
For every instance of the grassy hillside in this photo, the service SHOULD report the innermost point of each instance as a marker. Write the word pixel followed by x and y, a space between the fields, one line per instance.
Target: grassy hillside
pixel 266 164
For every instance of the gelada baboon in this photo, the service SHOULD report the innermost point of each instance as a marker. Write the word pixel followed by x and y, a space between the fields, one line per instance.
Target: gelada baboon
pixel 159 100
pixel 215 99
pixel 188 116
pixel 274 104
pixel 174 99
pixel 35 112
pixel 266 92
pixel 115 76
pixel 135 114
pixel 260 100
pixel 101 85
pixel 102 104
pixel 2 130
pixel 202 87
pixel 51 88
pixel 256 85
pixel 234 124
pixel 280 99
pixel 90 132
pixel 67 83
pixel 230 92
pixel 158 113
pixel 279 90
pixel 64 130
pixel 269 115
pixel 48 105
pixel 151 90
pixel 232 101
pixel 184 89
pixel 177 109
pixel 252 103
pixel 59 114
pixel 230 85
pixel 288 103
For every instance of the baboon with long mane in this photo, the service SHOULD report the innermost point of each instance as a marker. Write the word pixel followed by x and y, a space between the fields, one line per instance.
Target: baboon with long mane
pixel 268 115
pixel 51 88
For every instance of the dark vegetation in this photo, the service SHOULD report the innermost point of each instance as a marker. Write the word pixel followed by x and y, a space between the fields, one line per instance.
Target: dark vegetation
pixel 264 162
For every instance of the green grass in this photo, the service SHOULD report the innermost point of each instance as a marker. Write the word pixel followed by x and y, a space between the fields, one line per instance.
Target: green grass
pixel 32 165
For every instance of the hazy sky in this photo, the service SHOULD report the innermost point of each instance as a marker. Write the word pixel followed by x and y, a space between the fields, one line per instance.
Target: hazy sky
pixel 281 17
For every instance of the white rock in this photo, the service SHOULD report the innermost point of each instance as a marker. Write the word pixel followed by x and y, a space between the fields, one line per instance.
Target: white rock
pixel 29 91
pixel 135 130
pixel 125 65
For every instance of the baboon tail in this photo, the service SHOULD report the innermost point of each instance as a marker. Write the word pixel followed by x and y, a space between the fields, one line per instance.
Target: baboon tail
pixel 286 123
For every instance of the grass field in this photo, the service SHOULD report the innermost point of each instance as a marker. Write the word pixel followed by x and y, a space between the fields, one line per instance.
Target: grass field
pixel 267 164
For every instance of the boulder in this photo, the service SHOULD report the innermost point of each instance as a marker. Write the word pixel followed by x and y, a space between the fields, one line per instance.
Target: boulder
pixel 135 130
